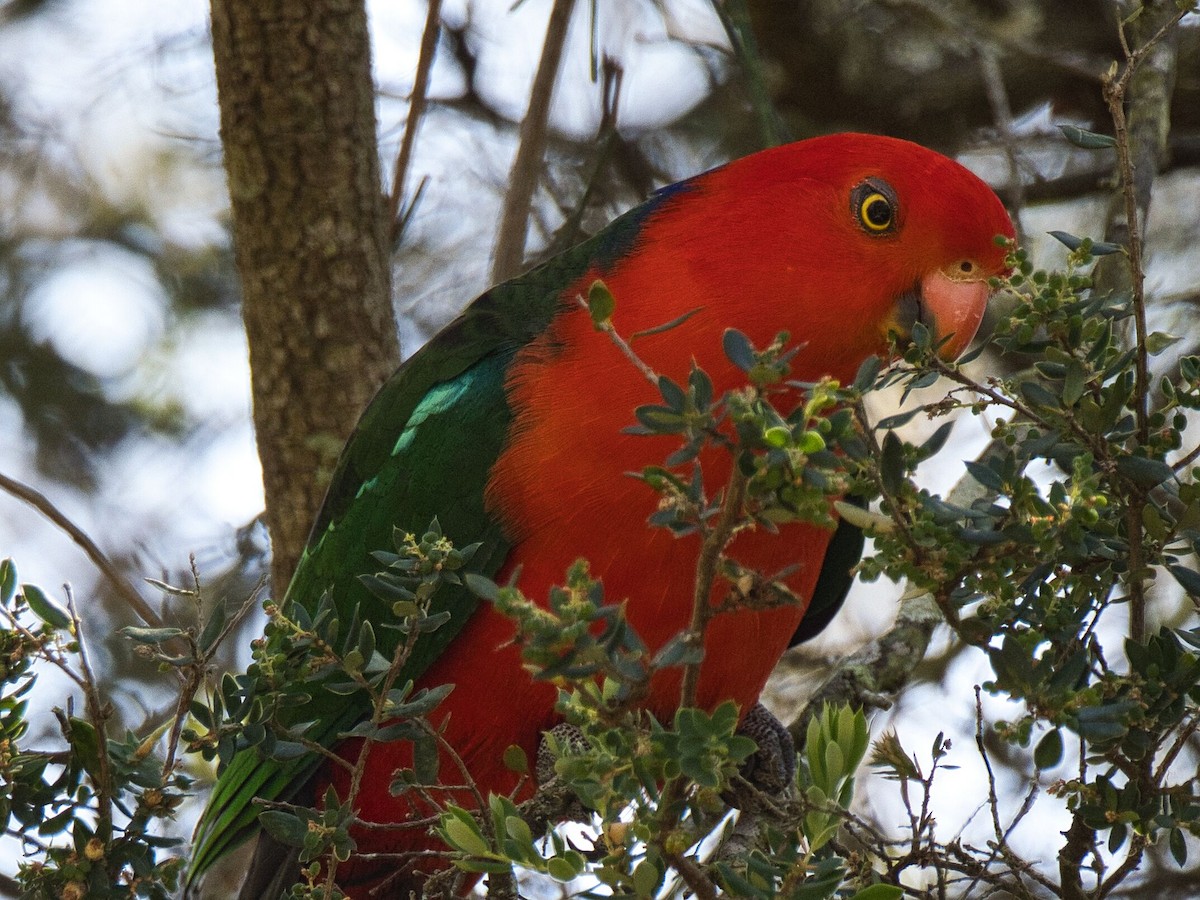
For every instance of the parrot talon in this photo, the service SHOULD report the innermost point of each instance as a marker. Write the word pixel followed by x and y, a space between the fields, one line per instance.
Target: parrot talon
pixel 771 768
pixel 553 801
pixel 568 738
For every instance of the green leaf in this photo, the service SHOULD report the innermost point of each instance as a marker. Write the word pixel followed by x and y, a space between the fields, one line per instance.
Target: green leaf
pixel 1144 472
pixel 482 587
pixel 426 759
pixel 645 878
pixel 516 760
pixel 867 372
pixel 518 829
pixel 1189 579
pixel 601 304
pixel 879 892
pixel 285 827
pixel 45 608
pixel 1070 241
pixel 561 869
pixel 212 628
pixel 8 581
pixel 1178 846
pixel 1088 140
pixel 1158 341
pixel 1049 751
pixel 891 463
pixel 463 833
pixel 738 349
pixel 150 635
pixel 1073 383
pixel 985 475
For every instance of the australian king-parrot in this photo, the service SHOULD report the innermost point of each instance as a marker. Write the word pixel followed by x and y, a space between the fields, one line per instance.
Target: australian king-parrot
pixel 509 427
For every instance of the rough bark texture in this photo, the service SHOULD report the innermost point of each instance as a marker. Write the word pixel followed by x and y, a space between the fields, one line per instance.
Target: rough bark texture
pixel 298 128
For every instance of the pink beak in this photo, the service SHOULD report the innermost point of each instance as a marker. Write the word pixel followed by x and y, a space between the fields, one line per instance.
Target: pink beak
pixel 953 307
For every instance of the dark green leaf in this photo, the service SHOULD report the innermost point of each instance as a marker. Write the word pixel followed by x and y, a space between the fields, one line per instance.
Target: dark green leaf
pixel 891 463
pixel 8 581
pixel 425 759
pixel 867 372
pixel 985 475
pixel 212 628
pixel 482 587
pixel 150 635
pixel 385 587
pixel 1049 751
pixel 1189 579
pixel 879 892
pixel 937 440
pixel 1144 472
pixel 672 393
pixel 285 827
pixel 1178 846
pixel 1069 240
pixel 738 349
pixel 898 420
pixel 1088 140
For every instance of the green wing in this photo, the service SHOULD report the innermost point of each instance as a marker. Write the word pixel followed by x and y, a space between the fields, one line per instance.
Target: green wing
pixel 424 448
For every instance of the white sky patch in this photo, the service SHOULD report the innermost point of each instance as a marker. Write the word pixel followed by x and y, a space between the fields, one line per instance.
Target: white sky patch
pixel 209 369
pixel 664 77
pixel 101 312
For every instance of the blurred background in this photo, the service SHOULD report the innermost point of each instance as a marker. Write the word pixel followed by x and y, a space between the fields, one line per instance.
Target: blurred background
pixel 124 381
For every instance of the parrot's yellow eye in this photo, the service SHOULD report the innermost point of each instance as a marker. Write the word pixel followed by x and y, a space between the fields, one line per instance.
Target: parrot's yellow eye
pixel 874 205
pixel 875 212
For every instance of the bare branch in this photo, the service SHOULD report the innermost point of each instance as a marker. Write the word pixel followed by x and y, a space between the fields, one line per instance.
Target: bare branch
pixel 124 589
pixel 416 108
pixel 523 179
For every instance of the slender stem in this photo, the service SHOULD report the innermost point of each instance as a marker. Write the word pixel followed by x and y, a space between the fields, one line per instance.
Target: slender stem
pixel 714 544
pixel 522 180
pixel 416 108
pixel 607 327
pixel 1116 90
pixel 97 712
pixel 735 17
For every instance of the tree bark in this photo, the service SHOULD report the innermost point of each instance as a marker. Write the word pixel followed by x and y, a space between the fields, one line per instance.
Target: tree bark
pixel 310 233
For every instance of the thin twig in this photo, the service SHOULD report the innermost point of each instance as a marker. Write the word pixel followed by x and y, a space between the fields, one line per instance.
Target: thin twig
pixel 607 327
pixel 1116 87
pixel 522 180
pixel 98 713
pixel 416 108
pixel 124 589
pixel 714 544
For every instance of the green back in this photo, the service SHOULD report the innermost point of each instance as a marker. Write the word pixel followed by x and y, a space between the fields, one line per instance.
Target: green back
pixel 424 447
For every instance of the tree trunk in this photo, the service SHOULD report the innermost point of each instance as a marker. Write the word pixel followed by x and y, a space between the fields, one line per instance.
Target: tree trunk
pixel 298 128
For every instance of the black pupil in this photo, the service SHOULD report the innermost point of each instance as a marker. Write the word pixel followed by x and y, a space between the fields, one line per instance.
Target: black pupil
pixel 879 212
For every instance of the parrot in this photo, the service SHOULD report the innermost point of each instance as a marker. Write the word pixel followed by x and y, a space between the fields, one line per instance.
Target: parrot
pixel 510 427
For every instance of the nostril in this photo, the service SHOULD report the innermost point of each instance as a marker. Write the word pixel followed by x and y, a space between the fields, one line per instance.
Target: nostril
pixel 966 267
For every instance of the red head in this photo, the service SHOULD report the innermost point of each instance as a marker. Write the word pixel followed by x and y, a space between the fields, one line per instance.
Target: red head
pixel 837 239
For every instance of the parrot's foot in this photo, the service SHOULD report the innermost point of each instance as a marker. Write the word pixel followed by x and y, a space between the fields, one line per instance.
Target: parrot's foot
pixel 554 802
pixel 568 738
pixel 771 768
